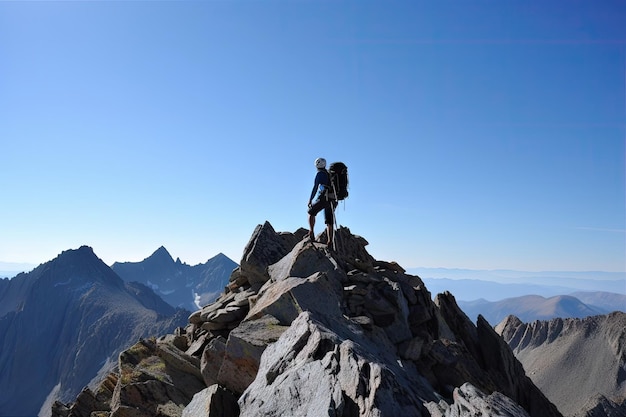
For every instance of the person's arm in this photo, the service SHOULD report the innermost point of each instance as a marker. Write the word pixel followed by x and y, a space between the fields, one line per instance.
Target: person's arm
pixel 315 187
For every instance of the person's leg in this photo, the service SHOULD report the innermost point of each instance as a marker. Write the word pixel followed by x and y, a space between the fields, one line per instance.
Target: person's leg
pixel 329 219
pixel 311 226
pixel 329 233
pixel 313 210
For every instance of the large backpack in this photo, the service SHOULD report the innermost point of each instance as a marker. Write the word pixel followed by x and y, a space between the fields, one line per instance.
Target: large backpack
pixel 338 180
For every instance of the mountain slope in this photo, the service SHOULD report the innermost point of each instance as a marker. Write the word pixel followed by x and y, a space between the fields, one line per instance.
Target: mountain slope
pixel 62 322
pixel 528 308
pixel 573 361
pixel 179 284
pixel 604 302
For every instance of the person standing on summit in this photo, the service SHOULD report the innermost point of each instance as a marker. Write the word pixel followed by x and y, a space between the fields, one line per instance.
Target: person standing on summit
pixel 320 192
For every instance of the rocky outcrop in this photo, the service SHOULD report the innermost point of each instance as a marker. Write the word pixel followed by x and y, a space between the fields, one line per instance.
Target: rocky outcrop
pixel 580 364
pixel 471 402
pixel 301 331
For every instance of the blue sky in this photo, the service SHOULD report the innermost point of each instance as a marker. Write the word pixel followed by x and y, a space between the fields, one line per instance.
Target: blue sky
pixel 478 134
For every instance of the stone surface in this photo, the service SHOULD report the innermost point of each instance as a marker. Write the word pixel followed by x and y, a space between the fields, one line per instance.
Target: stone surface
pixel 212 359
pixel 471 402
pixel 265 248
pixel 312 370
pixel 243 351
pixel 213 401
pixel 155 379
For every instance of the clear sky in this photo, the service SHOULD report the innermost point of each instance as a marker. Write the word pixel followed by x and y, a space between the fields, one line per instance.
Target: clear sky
pixel 478 134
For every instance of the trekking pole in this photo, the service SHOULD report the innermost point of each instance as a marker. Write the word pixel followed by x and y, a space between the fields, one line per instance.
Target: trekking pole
pixel 335 230
pixel 334 206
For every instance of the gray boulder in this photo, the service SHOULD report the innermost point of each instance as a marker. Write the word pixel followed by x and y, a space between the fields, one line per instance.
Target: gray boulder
pixel 315 371
pixel 469 401
pixel 212 401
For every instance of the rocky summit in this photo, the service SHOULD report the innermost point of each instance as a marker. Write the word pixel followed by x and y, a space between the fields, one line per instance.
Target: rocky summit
pixel 301 331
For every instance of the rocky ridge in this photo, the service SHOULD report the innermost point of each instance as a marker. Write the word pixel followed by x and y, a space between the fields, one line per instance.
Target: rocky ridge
pixel 580 364
pixel 301 331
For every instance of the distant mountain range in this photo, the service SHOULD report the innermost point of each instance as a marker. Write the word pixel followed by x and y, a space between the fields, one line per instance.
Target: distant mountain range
pixel 528 295
pixel 469 285
pixel 65 322
pixel 578 279
pixel 179 284
pixel 529 308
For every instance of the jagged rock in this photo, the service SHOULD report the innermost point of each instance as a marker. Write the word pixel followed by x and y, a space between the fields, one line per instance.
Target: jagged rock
pixel 314 371
pixel 88 403
pixel 225 309
pixel 243 351
pixel 287 298
pixel 497 358
pixel 303 262
pixel 212 401
pixel 411 349
pixel 225 313
pixel 265 248
pixel 155 379
pixel 179 341
pixel 212 358
pixel 460 325
pixel 197 345
pixel 60 410
pixel 487 364
pixel 350 251
pixel 469 401
pixel 85 403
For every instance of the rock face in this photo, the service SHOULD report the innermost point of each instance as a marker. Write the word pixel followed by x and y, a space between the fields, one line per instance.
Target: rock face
pixel 301 331
pixel 580 364
pixel 179 284
pixel 66 321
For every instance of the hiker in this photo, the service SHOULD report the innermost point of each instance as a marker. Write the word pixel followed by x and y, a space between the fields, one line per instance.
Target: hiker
pixel 321 190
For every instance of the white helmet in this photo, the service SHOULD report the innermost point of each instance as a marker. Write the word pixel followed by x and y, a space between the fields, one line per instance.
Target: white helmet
pixel 320 163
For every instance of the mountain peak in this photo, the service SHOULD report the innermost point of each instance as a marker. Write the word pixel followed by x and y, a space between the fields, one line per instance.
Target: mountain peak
pixel 77 266
pixel 82 251
pixel 76 301
pixel 161 253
